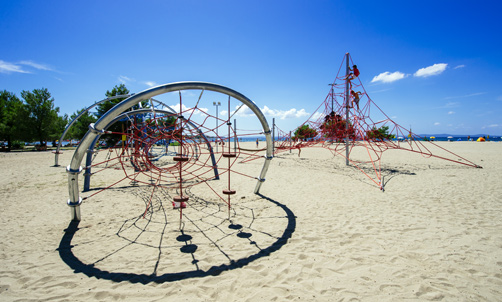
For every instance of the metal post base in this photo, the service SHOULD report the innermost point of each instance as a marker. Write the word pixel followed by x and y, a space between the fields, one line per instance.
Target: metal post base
pixel 75 210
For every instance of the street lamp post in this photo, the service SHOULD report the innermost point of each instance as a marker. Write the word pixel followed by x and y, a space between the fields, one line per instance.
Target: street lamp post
pixel 217 136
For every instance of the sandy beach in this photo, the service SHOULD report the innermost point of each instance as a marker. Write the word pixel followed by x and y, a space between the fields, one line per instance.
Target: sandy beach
pixel 319 231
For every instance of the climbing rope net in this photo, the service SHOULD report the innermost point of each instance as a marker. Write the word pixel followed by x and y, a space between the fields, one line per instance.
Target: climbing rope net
pixel 171 151
pixel 349 119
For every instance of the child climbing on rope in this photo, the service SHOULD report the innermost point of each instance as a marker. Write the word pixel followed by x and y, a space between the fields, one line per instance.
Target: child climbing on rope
pixel 354 73
pixel 355 98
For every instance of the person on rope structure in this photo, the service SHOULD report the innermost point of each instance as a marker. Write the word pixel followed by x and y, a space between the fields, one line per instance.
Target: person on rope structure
pixel 354 73
pixel 355 98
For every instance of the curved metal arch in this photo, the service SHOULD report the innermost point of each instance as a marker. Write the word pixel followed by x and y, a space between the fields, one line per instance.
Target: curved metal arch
pixel 74 169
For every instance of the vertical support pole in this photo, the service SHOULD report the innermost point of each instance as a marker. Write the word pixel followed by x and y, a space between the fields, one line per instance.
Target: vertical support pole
pixel 217 136
pixel 88 162
pixel 56 157
pixel 75 200
pixel 229 159
pixel 347 83
pixel 273 135
pixel 332 98
pixel 235 137
pixel 88 173
pixel 291 141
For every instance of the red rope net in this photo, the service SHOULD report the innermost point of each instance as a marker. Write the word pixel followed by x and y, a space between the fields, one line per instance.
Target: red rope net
pixel 348 119
pixel 175 152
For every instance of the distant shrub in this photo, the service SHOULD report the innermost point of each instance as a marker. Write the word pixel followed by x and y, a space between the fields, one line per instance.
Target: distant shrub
pixel 17 145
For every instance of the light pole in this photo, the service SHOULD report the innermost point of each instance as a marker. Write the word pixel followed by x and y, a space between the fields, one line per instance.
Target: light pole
pixel 217 136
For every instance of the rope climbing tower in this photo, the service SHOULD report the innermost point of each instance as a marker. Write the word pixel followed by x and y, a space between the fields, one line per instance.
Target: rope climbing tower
pixel 349 119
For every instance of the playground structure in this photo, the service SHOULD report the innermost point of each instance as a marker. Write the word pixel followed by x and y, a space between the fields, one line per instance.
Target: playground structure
pixel 165 153
pixel 348 119
pixel 167 148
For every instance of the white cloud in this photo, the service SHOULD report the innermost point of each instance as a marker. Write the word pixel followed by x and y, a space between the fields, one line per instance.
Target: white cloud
pixel 124 80
pixel 291 113
pixel 381 90
pixel 437 123
pixel 150 83
pixel 187 110
pixel 459 66
pixel 451 105
pixel 318 115
pixel 431 70
pixel 464 96
pixel 243 111
pixel 6 67
pixel 387 77
pixel 451 112
pixel 36 65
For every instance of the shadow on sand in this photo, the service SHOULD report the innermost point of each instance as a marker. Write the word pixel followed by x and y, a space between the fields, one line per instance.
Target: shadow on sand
pixel 67 255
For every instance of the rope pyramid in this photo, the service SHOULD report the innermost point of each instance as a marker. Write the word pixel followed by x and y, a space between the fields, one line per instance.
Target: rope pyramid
pixel 349 119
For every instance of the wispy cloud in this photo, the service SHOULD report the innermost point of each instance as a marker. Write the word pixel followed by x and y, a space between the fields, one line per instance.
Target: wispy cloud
pixel 437 123
pixel 124 80
pixel 451 112
pixel 431 70
pixel 242 111
pixel 128 80
pixel 37 65
pixel 387 77
pixel 451 105
pixel 150 83
pixel 7 67
pixel 188 110
pixel 464 96
pixel 25 66
pixel 381 90
pixel 492 126
pixel 459 66
pixel 282 114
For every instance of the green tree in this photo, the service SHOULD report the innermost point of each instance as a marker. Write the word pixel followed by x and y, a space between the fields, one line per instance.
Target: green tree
pixel 117 90
pixel 10 109
pixel 40 118
pixel 81 126
pixel 118 127
pixel 304 132
pixel 60 125
pixel 104 107
pixel 381 133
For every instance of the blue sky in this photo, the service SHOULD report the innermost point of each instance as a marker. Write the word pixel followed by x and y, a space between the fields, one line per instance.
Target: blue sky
pixel 433 65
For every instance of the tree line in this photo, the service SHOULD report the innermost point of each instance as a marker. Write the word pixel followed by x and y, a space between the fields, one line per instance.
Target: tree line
pixel 35 118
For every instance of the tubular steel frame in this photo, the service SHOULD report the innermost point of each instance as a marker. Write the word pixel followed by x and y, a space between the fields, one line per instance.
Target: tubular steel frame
pixel 96 129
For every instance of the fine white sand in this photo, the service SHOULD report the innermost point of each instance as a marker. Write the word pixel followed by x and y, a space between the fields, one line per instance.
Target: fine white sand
pixel 320 231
